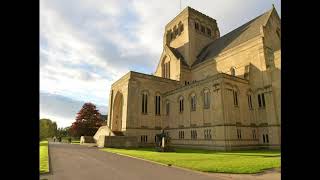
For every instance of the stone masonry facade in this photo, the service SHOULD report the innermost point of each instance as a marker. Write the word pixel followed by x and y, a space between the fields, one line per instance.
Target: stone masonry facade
pixel 207 91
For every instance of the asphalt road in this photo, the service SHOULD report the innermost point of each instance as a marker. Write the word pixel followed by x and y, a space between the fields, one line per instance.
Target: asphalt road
pixel 70 161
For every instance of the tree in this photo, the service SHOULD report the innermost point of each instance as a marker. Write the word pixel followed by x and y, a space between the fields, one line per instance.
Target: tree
pixel 87 122
pixel 47 128
pixel 63 132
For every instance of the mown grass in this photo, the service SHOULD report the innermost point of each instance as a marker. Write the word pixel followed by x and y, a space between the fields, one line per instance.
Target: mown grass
pixel 44 159
pixel 242 162
pixel 75 142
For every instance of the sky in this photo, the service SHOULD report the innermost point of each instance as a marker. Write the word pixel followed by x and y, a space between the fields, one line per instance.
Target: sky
pixel 86 45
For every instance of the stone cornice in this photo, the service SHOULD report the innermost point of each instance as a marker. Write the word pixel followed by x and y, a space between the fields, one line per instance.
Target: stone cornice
pixel 131 74
pixel 123 78
pixel 187 12
pixel 216 125
pixel 152 77
pixel 209 79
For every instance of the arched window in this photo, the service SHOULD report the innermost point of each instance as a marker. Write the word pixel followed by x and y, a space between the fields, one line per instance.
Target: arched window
pixel 180 28
pixel 233 71
pixel 193 102
pixel 175 30
pixel 235 98
pixel 261 100
pixel 249 96
pixel 166 68
pixel 206 99
pixel 144 103
pixel 209 31
pixel 181 104
pixel 203 29
pixel 196 25
pixel 157 104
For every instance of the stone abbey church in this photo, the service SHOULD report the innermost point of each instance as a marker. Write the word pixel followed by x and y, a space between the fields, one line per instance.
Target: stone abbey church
pixel 208 91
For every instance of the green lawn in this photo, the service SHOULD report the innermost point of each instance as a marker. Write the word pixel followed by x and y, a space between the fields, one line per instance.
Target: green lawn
pixel 75 142
pixel 44 162
pixel 243 162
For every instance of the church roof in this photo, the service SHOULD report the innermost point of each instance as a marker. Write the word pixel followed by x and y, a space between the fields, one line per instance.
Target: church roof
pixel 234 38
pixel 178 55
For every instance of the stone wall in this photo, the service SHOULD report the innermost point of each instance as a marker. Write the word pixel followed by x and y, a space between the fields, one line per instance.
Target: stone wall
pixel 117 141
pixel 86 139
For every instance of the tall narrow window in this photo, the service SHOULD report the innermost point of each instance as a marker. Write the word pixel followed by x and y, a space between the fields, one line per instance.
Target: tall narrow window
pixel 209 31
pixel 233 71
pixel 144 103
pixel 207 134
pixel 176 31
pixel 181 28
pixel 181 104
pixel 267 138
pixel 264 140
pixel 193 134
pixel 249 102
pixel 235 98
pixel 203 29
pixel 263 101
pixel 166 70
pixel 206 99
pixel 239 133
pixel 157 105
pixel 193 103
pixel 259 100
pixel 254 134
pixel 196 26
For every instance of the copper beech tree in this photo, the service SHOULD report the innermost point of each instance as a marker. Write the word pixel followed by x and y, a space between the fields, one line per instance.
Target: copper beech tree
pixel 87 122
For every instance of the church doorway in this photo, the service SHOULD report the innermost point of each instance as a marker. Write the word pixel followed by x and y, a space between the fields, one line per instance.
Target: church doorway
pixel 116 123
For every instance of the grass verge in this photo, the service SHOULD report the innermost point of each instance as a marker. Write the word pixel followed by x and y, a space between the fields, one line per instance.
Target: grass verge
pixel 44 157
pixel 240 162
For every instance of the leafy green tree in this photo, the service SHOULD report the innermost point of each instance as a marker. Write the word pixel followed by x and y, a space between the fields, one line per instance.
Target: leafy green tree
pixel 47 128
pixel 63 132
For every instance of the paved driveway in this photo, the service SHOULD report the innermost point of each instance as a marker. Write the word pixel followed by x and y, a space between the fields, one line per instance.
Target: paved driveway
pixel 70 161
